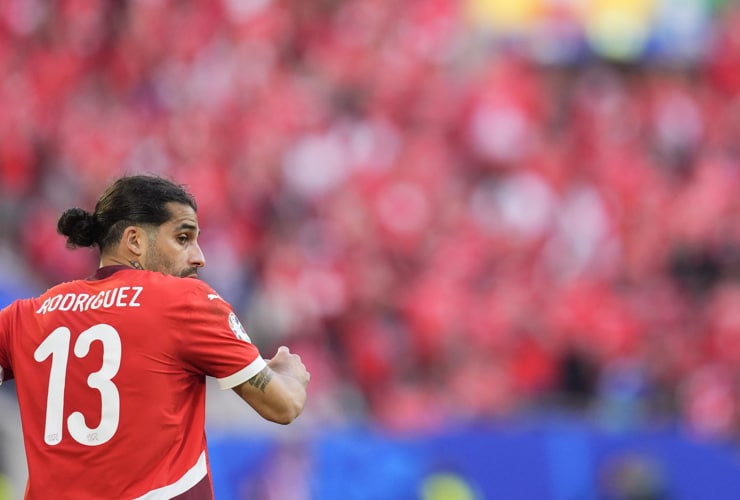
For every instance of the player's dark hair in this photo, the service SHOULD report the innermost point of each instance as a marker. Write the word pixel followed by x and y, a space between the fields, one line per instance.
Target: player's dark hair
pixel 133 200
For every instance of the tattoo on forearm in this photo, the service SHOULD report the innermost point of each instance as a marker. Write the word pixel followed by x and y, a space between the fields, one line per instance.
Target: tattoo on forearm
pixel 261 380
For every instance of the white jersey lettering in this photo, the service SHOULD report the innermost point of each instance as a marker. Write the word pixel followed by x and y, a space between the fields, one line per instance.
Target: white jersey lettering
pixel 119 297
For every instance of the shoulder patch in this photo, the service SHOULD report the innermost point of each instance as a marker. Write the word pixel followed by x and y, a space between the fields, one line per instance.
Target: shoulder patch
pixel 237 328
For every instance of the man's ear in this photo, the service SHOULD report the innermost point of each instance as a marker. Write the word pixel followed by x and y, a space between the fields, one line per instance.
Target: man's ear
pixel 135 239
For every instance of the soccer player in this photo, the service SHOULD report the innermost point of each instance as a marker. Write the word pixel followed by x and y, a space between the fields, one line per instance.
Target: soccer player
pixel 110 370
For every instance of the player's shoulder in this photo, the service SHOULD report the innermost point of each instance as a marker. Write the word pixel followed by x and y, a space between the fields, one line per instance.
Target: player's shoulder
pixel 8 309
pixel 18 308
pixel 59 289
pixel 183 288
pixel 62 287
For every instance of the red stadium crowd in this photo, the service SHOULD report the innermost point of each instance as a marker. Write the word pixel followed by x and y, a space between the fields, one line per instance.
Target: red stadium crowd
pixel 444 231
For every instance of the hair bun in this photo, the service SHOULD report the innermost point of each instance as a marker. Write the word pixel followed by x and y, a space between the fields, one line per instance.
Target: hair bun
pixel 79 226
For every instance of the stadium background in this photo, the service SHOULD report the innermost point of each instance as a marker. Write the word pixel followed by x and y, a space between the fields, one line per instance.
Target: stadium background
pixel 504 236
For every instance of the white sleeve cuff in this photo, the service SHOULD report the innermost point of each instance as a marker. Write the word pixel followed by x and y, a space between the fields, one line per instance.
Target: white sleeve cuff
pixel 242 375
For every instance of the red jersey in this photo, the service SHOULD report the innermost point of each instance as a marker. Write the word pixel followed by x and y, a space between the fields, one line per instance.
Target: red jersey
pixel 110 375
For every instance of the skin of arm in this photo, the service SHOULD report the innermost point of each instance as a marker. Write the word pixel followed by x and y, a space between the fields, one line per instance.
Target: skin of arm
pixel 278 392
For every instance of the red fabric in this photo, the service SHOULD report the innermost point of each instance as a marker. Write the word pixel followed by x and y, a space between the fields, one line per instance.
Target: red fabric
pixel 156 338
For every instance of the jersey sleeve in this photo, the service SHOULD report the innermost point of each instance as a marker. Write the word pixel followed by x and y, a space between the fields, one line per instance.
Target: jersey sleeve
pixel 213 340
pixel 6 369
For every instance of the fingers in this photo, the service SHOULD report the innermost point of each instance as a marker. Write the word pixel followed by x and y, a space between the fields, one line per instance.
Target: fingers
pixel 284 350
pixel 288 363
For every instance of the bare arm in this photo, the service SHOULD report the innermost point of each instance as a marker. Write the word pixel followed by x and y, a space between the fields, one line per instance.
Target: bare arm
pixel 278 391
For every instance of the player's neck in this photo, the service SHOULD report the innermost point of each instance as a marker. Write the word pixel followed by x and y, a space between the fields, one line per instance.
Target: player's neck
pixel 113 260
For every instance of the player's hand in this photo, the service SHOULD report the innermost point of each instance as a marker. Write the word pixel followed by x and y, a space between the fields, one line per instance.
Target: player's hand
pixel 289 364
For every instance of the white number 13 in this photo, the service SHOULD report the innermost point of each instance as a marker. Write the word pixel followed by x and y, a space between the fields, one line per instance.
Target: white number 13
pixel 57 345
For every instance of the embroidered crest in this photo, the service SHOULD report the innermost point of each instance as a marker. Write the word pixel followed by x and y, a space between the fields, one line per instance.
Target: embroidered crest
pixel 237 328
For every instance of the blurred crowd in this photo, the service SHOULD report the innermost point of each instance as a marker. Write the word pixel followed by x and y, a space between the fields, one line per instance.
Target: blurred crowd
pixel 443 226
